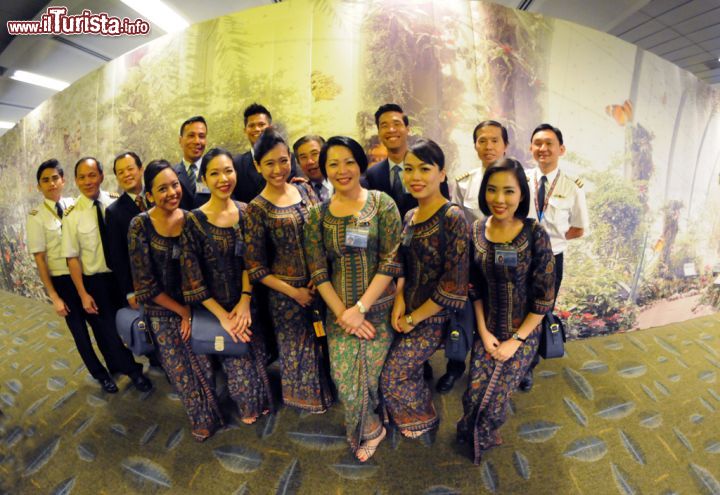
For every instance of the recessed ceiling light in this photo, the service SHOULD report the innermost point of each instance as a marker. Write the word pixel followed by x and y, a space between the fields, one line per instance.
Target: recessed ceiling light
pixel 159 14
pixel 6 125
pixel 38 80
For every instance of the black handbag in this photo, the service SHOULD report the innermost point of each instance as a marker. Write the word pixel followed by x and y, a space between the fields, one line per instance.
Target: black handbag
pixel 209 337
pixel 552 337
pixel 459 332
pixel 133 330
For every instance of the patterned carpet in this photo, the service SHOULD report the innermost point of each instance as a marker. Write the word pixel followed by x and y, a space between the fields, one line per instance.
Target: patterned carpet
pixel 631 413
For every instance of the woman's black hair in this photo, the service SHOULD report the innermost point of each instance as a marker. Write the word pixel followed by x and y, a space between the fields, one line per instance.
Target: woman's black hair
pixel 507 165
pixel 152 169
pixel 209 156
pixel 355 149
pixel 429 152
pixel 266 142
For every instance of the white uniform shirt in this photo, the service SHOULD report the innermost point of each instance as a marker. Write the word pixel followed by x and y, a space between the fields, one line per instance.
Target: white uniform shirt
pixel 465 194
pixel 566 207
pixel 81 234
pixel 44 234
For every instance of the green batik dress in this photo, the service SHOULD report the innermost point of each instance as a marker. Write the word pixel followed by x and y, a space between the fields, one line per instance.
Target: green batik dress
pixel 356 363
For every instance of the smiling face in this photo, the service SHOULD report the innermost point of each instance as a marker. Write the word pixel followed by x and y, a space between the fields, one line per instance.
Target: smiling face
pixel 489 144
pixel 393 132
pixel 88 179
pixel 220 177
pixel 166 191
pixel 129 175
pixel 275 165
pixel 503 195
pixel 342 170
pixel 546 150
pixel 422 179
pixel 256 124
pixel 308 156
pixel 51 184
pixel 193 141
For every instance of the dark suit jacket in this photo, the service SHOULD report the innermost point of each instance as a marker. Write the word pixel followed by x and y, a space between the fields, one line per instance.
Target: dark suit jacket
pixel 189 201
pixel 117 222
pixel 378 178
pixel 249 182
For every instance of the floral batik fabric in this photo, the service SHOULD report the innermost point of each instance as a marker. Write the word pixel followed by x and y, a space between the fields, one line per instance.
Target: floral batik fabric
pixel 212 266
pixel 435 266
pixel 356 364
pixel 274 236
pixel 155 266
pixel 508 295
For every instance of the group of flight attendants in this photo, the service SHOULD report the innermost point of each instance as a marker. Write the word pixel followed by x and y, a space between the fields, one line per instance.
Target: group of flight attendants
pixel 338 237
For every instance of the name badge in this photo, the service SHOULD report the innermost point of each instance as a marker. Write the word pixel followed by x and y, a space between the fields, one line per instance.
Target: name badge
pixel 357 236
pixel 176 252
pixel 506 256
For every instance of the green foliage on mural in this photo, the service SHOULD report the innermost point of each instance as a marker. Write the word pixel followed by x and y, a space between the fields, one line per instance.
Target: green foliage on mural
pixel 616 217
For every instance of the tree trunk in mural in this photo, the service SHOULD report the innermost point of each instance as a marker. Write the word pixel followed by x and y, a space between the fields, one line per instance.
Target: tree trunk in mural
pixel 671 215
pixel 517 66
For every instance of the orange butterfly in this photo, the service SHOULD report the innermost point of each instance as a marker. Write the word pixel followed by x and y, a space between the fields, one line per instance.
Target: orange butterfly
pixel 621 113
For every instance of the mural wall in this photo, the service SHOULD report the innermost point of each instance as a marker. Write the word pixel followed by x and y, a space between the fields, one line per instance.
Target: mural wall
pixel 643 134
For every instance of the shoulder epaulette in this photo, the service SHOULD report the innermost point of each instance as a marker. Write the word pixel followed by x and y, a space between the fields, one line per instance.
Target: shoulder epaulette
pixel 34 212
pixel 68 210
pixel 462 176
pixel 113 195
pixel 579 182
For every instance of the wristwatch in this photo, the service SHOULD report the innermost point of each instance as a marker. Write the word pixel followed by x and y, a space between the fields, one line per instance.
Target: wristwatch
pixel 516 336
pixel 409 319
pixel 361 307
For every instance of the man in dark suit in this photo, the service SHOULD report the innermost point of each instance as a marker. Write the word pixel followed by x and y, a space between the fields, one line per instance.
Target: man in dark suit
pixel 386 176
pixel 249 181
pixel 193 138
pixel 128 170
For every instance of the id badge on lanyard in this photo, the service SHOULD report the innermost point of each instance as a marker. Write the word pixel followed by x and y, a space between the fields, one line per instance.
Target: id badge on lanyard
pixel 506 256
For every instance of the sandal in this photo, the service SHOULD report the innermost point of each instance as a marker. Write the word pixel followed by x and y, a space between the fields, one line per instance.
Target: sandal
pixel 367 451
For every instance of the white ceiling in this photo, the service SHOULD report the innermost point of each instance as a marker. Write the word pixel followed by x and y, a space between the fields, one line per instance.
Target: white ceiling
pixel 686 32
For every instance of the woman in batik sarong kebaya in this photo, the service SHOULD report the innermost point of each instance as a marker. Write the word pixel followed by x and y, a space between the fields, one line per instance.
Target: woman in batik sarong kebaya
pixel 434 257
pixel 350 247
pixel 512 286
pixel 275 257
pixel 154 248
pixel 214 274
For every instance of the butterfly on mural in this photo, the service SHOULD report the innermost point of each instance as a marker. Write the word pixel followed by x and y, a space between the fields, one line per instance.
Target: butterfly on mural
pixel 621 113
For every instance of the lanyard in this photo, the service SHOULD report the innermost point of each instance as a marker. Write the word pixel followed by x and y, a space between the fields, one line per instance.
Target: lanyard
pixel 547 196
pixel 52 212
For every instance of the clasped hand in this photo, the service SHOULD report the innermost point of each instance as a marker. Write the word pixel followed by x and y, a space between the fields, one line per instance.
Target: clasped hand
pixel 500 351
pixel 354 323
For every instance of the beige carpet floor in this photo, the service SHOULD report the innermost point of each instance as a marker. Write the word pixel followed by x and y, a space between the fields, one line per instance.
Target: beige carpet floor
pixel 630 413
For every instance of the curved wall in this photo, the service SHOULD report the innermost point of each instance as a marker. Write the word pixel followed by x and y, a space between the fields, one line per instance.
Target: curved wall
pixel 650 168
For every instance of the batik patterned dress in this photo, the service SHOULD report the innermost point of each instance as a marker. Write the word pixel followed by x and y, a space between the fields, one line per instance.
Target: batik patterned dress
pixel 155 266
pixel 434 268
pixel 508 295
pixel 356 363
pixel 212 266
pixel 274 246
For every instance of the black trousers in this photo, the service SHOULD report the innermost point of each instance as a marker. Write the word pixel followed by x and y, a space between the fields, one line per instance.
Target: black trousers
pixel 105 290
pixel 558 281
pixel 77 323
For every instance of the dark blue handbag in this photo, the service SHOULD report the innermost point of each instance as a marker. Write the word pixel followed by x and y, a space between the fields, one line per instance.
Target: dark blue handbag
pixel 133 330
pixel 209 337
